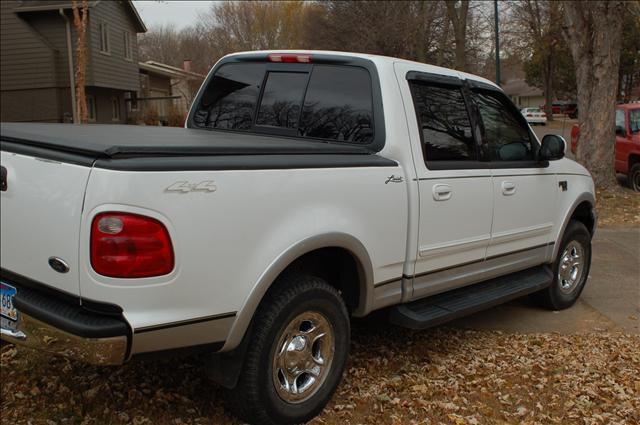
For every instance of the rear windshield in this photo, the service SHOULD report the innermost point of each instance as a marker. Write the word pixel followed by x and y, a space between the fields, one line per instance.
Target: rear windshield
pixel 329 102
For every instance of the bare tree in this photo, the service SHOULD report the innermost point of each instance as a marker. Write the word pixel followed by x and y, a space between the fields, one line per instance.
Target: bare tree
pixel 594 31
pixel 80 24
pixel 458 17
pixel 541 32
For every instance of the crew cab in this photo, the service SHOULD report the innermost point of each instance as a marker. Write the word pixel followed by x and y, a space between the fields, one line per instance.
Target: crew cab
pixel 305 189
pixel 627 150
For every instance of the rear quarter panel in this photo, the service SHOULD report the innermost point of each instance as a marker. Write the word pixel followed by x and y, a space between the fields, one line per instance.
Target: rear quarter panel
pixel 226 239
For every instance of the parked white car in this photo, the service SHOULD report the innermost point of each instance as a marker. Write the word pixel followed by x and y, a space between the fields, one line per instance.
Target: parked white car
pixel 306 188
pixel 534 116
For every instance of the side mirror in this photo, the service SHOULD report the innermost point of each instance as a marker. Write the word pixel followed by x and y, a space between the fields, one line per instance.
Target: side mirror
pixel 553 147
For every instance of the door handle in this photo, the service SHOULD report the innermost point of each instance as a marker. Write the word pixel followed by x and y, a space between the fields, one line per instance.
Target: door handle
pixel 441 192
pixel 508 188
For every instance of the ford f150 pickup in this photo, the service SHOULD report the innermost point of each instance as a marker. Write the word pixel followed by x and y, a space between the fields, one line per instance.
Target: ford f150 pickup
pixel 305 188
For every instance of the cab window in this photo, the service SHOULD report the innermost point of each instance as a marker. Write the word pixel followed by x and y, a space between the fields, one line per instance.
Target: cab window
pixel 620 127
pixel 444 123
pixel 505 133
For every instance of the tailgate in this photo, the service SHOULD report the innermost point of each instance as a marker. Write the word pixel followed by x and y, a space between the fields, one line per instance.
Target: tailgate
pixel 40 216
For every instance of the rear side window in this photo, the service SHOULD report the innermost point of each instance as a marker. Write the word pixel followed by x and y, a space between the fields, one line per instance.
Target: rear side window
pixel 326 102
pixel 505 132
pixel 444 123
pixel 230 100
pixel 338 105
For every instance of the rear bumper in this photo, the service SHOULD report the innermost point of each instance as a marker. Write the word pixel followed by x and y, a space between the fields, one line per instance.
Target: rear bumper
pixel 33 333
pixel 61 324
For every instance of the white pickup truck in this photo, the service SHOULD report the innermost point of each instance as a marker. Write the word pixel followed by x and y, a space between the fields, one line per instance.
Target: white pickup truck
pixel 307 187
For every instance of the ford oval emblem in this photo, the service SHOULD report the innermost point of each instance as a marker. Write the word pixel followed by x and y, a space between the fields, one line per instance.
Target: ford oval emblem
pixel 58 265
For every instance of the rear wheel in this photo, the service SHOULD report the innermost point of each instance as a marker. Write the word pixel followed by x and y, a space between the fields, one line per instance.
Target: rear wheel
pixel 570 269
pixel 297 350
pixel 633 179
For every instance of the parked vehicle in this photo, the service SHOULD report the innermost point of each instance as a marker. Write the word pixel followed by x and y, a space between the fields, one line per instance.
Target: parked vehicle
pixel 534 116
pixel 567 108
pixel 306 188
pixel 627 150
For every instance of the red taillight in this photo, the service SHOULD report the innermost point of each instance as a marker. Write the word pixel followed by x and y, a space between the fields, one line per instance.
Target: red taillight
pixel 289 58
pixel 130 246
pixel 530 115
pixel 543 115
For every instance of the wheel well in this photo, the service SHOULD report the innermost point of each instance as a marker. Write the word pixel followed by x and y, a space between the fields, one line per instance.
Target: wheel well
pixel 633 159
pixel 583 214
pixel 339 267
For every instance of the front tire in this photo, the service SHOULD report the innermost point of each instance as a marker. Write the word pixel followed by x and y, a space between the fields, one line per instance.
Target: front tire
pixel 297 350
pixel 633 178
pixel 570 269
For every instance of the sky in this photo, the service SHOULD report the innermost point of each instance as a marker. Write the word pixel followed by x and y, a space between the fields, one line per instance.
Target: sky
pixel 180 13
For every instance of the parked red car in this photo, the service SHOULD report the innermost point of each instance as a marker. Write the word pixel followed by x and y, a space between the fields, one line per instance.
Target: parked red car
pixel 627 159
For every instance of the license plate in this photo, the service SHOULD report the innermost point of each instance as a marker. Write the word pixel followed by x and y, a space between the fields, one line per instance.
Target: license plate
pixel 7 292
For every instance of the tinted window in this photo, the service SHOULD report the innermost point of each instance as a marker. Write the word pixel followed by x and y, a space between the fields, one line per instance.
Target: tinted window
pixel 338 105
pixel 282 98
pixel 505 134
pixel 444 121
pixel 230 98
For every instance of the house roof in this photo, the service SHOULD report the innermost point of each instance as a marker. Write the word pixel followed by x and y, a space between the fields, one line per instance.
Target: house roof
pixel 44 5
pixel 168 70
pixel 519 87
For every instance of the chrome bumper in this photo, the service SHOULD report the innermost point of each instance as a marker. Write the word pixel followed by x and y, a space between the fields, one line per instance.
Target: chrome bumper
pixel 33 333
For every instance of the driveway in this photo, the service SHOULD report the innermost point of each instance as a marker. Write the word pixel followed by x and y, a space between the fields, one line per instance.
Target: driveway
pixel 610 301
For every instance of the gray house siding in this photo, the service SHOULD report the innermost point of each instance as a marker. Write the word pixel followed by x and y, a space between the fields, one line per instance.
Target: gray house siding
pixel 26 59
pixel 113 70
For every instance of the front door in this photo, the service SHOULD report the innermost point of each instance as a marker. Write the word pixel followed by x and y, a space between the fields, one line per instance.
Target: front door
pixel 455 189
pixel 524 191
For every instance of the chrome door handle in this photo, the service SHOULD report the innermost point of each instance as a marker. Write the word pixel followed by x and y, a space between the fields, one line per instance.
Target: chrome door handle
pixel 441 192
pixel 508 188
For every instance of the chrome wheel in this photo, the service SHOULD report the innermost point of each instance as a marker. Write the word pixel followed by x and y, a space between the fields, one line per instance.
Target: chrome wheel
pixel 571 267
pixel 303 357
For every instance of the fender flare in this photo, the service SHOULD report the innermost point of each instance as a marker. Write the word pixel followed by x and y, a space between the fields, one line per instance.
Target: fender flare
pixel 295 251
pixel 583 197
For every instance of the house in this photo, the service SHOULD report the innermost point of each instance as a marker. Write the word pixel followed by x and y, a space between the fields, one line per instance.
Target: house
pixel 38 57
pixel 166 93
pixel 522 94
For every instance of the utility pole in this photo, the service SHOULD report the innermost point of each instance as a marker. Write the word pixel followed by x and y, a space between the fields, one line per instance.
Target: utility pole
pixel 495 14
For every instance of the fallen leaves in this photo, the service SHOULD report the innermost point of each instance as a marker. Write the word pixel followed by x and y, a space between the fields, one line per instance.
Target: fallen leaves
pixel 620 207
pixel 394 376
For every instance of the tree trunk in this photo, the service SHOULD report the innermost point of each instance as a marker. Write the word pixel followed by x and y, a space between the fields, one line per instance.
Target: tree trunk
pixel 594 32
pixel 458 19
pixel 80 24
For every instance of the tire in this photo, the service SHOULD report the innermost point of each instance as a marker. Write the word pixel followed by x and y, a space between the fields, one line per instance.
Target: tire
pixel 633 178
pixel 298 312
pixel 575 250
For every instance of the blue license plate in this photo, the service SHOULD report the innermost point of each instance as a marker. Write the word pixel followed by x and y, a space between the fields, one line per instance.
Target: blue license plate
pixel 7 310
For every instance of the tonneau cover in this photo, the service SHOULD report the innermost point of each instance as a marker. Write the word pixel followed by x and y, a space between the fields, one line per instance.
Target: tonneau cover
pixel 114 141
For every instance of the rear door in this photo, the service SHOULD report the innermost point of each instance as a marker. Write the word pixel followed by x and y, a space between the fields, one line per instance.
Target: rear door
pixel 524 191
pixel 455 206
pixel 41 207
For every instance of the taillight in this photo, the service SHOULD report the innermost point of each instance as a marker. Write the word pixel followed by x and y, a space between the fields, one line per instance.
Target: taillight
pixel 289 58
pixel 130 246
pixel 530 115
pixel 543 115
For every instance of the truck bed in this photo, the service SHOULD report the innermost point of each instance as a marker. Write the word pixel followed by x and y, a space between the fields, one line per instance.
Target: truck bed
pixel 116 141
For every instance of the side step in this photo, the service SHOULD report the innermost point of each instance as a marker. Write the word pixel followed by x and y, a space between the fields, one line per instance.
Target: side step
pixel 441 308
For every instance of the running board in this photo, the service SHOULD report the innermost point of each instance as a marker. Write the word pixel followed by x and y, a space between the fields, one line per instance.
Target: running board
pixel 441 308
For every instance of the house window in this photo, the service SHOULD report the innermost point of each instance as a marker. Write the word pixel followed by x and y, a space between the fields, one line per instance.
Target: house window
pixel 104 38
pixel 128 51
pixel 91 108
pixel 131 100
pixel 115 109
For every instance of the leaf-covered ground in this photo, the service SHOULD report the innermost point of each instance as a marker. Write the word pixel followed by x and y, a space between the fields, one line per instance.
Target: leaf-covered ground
pixel 620 208
pixel 394 376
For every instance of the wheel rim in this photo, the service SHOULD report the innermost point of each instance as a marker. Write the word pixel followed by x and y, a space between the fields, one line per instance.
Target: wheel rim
pixel 571 266
pixel 303 357
pixel 636 180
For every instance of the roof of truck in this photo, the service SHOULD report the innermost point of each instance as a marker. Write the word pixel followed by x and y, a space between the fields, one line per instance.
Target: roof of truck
pixel 418 66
